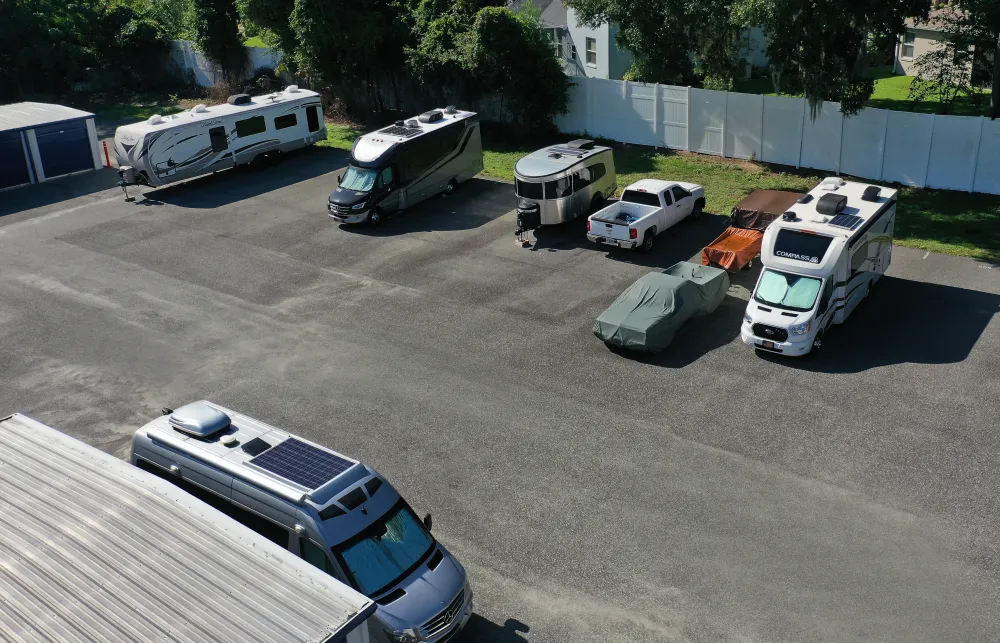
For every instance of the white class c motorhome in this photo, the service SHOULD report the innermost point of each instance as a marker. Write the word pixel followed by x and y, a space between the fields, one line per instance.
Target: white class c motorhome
pixel 329 509
pixel 396 167
pixel 820 260
pixel 165 149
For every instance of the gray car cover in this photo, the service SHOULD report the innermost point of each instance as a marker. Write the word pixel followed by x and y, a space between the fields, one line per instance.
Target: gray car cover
pixel 649 313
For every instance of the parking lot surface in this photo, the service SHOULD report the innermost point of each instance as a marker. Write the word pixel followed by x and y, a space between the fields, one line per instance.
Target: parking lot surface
pixel 708 494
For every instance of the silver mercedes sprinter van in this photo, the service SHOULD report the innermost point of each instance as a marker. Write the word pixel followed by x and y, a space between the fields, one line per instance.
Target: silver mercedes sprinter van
pixel 336 513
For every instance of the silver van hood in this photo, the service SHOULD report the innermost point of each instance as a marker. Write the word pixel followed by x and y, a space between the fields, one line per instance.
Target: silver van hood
pixel 428 593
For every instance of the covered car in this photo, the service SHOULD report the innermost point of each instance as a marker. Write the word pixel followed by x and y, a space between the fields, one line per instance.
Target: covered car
pixel 737 246
pixel 647 316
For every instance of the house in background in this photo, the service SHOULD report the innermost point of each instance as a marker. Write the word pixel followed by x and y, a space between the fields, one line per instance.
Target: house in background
pixel 923 36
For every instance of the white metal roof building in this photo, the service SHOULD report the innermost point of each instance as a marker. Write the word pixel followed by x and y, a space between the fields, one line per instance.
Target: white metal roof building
pixel 39 141
pixel 94 549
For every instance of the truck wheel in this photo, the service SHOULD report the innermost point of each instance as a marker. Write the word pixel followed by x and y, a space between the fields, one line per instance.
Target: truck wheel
pixel 375 217
pixel 647 241
pixel 699 207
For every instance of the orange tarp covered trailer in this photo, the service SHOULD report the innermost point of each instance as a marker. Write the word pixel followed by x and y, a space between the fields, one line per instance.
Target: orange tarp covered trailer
pixel 740 243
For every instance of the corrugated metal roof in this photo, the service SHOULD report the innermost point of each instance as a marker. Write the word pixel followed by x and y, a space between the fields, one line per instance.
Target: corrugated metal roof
pixel 92 548
pixel 18 116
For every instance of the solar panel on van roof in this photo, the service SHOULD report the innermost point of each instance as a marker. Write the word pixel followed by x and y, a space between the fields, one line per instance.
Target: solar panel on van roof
pixel 302 463
pixel 398 130
pixel 848 221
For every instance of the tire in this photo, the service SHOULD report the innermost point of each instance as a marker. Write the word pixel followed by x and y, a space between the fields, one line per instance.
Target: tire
pixel 596 203
pixel 375 217
pixel 647 241
pixel 699 207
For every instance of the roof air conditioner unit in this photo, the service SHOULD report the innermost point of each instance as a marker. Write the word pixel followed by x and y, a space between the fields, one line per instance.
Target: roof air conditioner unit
pixel 155 119
pixel 430 117
pixel 831 204
pixel 198 419
pixel 239 99
pixel 292 89
pixel 199 109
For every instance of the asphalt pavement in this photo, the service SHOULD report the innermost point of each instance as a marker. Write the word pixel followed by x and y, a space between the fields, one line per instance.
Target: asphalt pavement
pixel 708 494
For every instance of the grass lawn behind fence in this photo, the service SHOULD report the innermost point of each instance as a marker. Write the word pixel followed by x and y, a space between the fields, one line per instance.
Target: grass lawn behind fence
pixel 956 223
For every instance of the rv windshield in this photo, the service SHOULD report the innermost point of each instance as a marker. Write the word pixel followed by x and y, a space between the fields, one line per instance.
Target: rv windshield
pixel 784 290
pixel 359 179
pixel 385 551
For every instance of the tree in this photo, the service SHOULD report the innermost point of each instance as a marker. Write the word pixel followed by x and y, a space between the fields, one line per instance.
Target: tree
pixel 672 41
pixel 946 72
pixel 972 30
pixel 271 21
pixel 825 42
pixel 216 31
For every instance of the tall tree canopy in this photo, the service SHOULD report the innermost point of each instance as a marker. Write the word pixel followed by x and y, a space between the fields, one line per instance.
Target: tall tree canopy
pixel 216 30
pixel 972 34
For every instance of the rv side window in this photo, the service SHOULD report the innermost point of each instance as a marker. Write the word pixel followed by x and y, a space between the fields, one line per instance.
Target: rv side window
pixel 386 177
pixel 581 179
pixel 286 121
pixel 558 189
pixel 597 172
pixel 251 126
pixel 218 137
pixel 859 257
pixel 450 138
pixel 273 532
pixel 312 118
pixel 316 556
pixel 529 190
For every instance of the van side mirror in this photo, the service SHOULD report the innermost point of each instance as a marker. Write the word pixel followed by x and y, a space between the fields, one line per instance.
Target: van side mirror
pixel 428 522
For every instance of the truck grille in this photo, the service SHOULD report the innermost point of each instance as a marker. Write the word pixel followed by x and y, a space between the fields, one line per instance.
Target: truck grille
pixel 445 618
pixel 772 333
pixel 340 210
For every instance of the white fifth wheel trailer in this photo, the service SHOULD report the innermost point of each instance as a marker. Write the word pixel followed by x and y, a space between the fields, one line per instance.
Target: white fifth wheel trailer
pixel 165 149
pixel 820 260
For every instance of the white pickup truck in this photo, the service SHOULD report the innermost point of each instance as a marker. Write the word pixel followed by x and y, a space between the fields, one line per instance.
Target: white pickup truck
pixel 646 208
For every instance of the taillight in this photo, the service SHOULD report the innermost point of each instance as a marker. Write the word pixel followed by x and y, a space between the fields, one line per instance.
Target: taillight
pixel 588 225
pixel 633 233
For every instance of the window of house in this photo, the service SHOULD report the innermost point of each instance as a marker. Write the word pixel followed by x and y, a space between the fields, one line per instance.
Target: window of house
pixel 250 126
pixel 908 38
pixel 572 52
pixel 559 49
pixel 592 52
pixel 288 120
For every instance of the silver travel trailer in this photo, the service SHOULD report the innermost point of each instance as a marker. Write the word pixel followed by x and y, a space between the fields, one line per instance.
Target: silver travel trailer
pixel 95 549
pixel 820 260
pixel 399 166
pixel 165 149
pixel 562 182
pixel 329 509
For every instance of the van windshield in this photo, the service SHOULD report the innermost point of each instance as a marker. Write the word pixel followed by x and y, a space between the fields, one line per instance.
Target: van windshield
pixel 784 290
pixel 386 551
pixel 358 179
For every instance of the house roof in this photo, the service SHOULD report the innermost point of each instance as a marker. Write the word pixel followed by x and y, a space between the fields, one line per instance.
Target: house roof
pixel 553 11
pixel 18 116
pixel 937 20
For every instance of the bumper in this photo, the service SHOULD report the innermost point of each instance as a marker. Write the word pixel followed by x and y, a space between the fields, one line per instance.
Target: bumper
pixel 801 346
pixel 340 217
pixel 612 242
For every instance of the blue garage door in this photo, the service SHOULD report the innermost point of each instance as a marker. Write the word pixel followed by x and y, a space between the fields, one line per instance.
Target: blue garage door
pixel 13 166
pixel 64 148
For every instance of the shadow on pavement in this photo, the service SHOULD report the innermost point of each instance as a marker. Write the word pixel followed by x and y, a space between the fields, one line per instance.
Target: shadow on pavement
pixel 481 630
pixel 474 203
pixel 245 182
pixel 903 321
pixel 56 190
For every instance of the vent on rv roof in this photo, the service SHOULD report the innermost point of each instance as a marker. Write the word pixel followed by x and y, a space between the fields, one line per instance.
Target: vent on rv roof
pixel 239 99
pixel 155 119
pixel 199 419
pixel 870 194
pixel 831 183
pixel 199 108
pixel 412 123
pixel 581 144
pixel 430 117
pixel 292 89
pixel 450 109
pixel 789 216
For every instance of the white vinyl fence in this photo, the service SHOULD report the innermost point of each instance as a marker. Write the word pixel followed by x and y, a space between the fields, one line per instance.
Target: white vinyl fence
pixel 923 150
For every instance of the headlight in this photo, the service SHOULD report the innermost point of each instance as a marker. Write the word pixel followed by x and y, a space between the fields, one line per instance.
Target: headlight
pixel 358 206
pixel 402 636
pixel 800 329
pixel 747 318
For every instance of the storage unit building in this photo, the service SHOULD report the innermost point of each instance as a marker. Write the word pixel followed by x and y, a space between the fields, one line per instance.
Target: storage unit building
pixel 39 141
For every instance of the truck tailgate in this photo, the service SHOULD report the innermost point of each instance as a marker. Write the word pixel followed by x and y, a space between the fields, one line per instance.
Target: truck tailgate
pixel 613 221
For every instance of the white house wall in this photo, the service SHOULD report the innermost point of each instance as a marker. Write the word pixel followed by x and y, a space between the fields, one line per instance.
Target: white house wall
pixel 579 34
pixel 949 152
